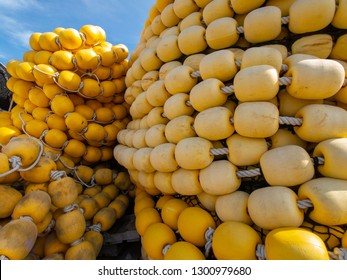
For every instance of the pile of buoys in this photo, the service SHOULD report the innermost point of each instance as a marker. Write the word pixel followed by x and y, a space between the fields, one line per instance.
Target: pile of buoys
pixel 240 105
pixel 69 92
pixel 60 187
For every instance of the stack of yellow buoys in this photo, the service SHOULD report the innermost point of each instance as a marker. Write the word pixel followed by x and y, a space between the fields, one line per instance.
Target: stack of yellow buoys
pixel 238 139
pixel 57 166
pixel 69 92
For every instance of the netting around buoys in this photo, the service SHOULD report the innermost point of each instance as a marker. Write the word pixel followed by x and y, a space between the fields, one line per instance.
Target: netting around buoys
pixel 241 107
pixel 65 71
pixel 56 148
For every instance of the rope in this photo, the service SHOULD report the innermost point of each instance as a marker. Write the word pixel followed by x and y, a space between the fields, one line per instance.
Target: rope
pixel 4 258
pixel 74 62
pixel 48 114
pixel 16 160
pixel 78 241
pixel 56 74
pixel 65 144
pixel 240 30
pixel 70 207
pixel 94 97
pixel 11 104
pixel 290 121
pixel 338 254
pixel 15 163
pixel 304 204
pixel 248 173
pixel 188 103
pixel 44 133
pixel 48 229
pixel 84 130
pixel 81 181
pixel 57 175
pixel 90 72
pixel 66 166
pixel 66 89
pixel 219 151
pixel 285 81
pixel 260 252
pixel 57 41
pixel 318 161
pixel 115 54
pixel 83 37
pixel 23 124
pixel 238 63
pixel 94 119
pixel 195 74
pixel 285 20
pixel 208 236
pixel 284 120
pixel 166 248
pixel 96 227
pixel 28 218
pixel 284 68
pixel 228 89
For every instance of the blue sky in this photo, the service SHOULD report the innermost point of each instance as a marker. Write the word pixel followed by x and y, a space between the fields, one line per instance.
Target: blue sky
pixel 123 21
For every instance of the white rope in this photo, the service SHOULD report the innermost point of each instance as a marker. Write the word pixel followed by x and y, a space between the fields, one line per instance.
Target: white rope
pixel 56 74
pixel 44 133
pixel 228 89
pixel 166 248
pixel 66 166
pixel 304 204
pixel 248 173
pixel 290 121
pixel 284 120
pixel 93 97
pixel 15 163
pixel 66 89
pixel 240 30
pixel 91 73
pixel 48 229
pixel 57 175
pixel 84 39
pixel 238 63
pixel 28 218
pixel 78 241
pixel 219 151
pixel 321 160
pixel 74 172
pixel 338 254
pixel 188 103
pixel 14 159
pixel 285 81
pixel 208 245
pixel 284 68
pixel 96 227
pixel 94 119
pixel 57 41
pixel 285 20
pixel 195 74
pixel 11 104
pixel 48 114
pixel 260 252
pixel 70 207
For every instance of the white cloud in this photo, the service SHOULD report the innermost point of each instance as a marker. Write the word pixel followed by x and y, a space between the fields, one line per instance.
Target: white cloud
pixel 3 56
pixel 19 4
pixel 15 30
